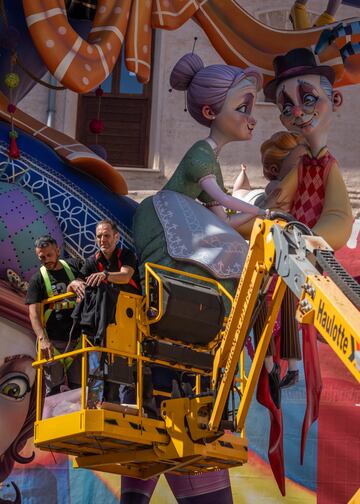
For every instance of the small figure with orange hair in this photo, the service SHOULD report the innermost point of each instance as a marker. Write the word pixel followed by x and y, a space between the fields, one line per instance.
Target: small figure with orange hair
pixel 279 155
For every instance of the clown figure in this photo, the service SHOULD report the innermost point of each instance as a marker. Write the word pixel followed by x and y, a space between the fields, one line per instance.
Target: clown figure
pixel 315 194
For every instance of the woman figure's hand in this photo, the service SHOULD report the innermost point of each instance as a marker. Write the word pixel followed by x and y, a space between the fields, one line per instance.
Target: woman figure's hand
pixel 265 213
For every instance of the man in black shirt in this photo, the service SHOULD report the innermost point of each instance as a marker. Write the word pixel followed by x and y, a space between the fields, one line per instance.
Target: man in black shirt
pixel 55 277
pixel 115 266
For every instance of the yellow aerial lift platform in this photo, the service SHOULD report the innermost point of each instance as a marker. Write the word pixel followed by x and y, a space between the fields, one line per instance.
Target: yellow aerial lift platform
pixel 192 434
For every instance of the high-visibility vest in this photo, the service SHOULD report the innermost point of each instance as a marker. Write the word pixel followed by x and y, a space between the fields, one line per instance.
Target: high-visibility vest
pixel 67 361
pixel 100 266
pixel 60 305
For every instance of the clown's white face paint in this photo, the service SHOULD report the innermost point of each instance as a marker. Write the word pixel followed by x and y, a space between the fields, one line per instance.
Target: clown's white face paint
pixel 17 352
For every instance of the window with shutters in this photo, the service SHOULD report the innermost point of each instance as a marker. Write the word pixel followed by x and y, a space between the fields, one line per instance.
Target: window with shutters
pixel 125 109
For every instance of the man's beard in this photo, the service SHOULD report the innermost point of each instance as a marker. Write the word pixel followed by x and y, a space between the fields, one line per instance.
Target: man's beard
pixel 51 265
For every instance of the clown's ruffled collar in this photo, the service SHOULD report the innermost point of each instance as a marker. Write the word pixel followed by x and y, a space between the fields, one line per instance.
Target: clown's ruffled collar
pixel 321 159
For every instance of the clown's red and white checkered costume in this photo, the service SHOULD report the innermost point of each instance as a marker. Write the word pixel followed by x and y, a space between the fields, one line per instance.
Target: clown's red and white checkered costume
pixel 312 177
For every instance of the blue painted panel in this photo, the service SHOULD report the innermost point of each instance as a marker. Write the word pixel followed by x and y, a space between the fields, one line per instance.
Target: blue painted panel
pixel 77 200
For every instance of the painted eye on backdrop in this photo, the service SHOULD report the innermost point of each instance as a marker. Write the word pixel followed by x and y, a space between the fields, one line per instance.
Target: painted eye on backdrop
pixel 14 386
pixel 309 100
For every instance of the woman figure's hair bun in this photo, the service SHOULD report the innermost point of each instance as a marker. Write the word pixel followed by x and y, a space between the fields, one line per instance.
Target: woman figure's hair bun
pixel 185 70
pixel 209 85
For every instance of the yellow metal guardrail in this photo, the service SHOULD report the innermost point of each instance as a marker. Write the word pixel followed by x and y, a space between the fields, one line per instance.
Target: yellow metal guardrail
pixel 140 331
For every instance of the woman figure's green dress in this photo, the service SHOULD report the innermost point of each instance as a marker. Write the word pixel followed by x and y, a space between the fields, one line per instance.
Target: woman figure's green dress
pixel 173 229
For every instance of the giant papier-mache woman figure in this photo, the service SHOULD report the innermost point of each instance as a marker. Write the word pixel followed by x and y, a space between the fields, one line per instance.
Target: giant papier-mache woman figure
pixel 185 226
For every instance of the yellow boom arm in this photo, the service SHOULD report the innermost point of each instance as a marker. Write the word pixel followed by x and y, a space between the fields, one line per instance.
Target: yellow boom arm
pixel 189 435
pixel 299 260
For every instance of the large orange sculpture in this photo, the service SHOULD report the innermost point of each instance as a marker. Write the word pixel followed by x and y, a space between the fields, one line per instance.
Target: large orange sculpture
pixel 240 39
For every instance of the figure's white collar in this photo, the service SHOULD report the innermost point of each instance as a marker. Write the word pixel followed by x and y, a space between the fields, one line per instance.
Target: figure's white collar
pixel 214 146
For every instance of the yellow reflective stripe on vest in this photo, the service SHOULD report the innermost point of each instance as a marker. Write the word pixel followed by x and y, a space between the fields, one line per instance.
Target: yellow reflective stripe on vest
pixel 45 274
pixel 61 305
pixel 67 361
pixel 68 270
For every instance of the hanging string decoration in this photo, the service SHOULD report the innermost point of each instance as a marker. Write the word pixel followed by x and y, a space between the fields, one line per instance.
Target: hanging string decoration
pixel 97 126
pixel 12 81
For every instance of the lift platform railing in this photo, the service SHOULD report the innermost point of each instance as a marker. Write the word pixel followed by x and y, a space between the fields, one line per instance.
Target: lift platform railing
pixel 106 439
pixel 189 435
pixel 124 339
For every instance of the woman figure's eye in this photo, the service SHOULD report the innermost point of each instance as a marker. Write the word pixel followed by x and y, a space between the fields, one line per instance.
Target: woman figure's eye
pixel 287 110
pixel 309 100
pixel 242 108
pixel 14 386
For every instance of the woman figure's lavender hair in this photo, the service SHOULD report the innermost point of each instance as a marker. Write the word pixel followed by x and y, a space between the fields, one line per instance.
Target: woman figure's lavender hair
pixel 208 85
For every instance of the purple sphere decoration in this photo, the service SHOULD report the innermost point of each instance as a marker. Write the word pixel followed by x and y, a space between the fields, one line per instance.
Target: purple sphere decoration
pixel 23 218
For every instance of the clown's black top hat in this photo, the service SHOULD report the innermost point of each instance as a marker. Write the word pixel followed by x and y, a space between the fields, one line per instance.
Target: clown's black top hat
pixel 295 62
